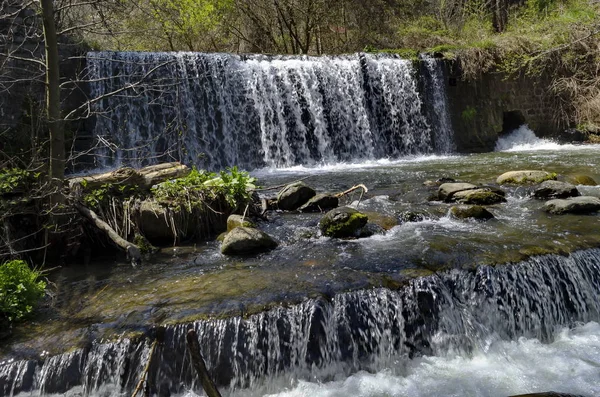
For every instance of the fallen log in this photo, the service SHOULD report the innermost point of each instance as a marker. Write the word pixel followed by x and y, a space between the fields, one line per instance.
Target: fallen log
pixel 144 178
pixel 133 252
pixel 200 366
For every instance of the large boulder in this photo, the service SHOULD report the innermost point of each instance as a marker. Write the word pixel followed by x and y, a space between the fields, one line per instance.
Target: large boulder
pixel 471 211
pixel 320 203
pixel 482 196
pixel 247 240
pixel 447 190
pixel 235 220
pixel 525 177
pixel 155 221
pixel 343 222
pixel 555 189
pixel 294 195
pixel 573 205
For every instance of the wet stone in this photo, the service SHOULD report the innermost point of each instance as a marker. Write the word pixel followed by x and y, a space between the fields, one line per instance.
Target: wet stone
pixel 294 195
pixel 555 189
pixel 246 240
pixel 479 197
pixel 573 205
pixel 320 203
pixel 525 177
pixel 447 190
pixel 343 222
pixel 471 211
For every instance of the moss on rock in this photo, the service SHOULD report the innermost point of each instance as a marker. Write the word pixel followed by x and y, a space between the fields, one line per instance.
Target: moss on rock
pixel 343 222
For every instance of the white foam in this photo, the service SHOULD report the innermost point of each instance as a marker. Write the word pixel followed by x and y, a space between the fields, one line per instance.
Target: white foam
pixel 571 364
pixel 324 168
pixel 523 139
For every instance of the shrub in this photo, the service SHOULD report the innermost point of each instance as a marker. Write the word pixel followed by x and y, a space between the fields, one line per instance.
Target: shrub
pixel 20 290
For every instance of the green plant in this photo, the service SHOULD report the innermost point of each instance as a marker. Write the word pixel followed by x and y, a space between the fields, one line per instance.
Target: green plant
pixel 16 180
pixel 20 290
pixel 469 114
pixel 201 186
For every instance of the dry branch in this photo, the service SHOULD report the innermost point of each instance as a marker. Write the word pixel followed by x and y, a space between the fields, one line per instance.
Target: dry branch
pixel 144 178
pixel 132 250
pixel 200 366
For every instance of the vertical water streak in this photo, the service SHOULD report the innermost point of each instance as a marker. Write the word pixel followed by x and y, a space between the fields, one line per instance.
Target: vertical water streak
pixel 437 103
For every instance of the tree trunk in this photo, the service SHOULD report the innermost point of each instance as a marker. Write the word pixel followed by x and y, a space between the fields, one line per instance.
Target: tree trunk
pixel 56 167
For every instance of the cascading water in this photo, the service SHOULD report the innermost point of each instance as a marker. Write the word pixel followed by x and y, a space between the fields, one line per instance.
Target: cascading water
pixel 218 110
pixel 458 311
pixel 436 101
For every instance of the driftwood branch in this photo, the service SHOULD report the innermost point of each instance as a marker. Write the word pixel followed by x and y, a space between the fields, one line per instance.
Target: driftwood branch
pixel 144 375
pixel 144 178
pixel 353 188
pixel 200 366
pixel 132 250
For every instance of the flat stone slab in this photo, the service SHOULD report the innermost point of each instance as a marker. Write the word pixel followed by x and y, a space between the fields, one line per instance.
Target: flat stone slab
pixel 573 205
pixel 447 190
pixel 523 177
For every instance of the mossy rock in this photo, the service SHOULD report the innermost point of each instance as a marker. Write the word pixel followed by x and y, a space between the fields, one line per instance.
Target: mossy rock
pixel 525 177
pixel 584 180
pixel 479 197
pixel 235 220
pixel 446 191
pixel 472 211
pixel 343 222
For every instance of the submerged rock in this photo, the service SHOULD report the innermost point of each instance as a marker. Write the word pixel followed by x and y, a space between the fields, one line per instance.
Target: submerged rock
pixel 386 222
pixel 343 222
pixel 413 216
pixel 555 189
pixel 238 220
pixel 584 180
pixel 447 190
pixel 371 229
pixel 247 240
pixel 573 205
pixel 524 177
pixel 320 203
pixel 471 211
pixel 294 195
pixel 484 196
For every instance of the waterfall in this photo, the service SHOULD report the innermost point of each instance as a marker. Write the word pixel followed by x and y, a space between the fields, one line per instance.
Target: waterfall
pixel 219 110
pixel 453 312
pixel 437 104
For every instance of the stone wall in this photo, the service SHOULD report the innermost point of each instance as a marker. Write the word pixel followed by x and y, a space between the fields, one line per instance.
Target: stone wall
pixel 484 108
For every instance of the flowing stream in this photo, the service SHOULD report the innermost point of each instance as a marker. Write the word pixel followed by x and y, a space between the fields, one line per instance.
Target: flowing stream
pixel 432 306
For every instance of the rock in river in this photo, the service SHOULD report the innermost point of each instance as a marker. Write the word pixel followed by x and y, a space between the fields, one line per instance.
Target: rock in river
pixel 482 196
pixel 235 220
pixel 524 177
pixel 294 195
pixel 320 203
pixel 470 211
pixel 573 205
pixel 247 240
pixel 447 190
pixel 555 189
pixel 343 222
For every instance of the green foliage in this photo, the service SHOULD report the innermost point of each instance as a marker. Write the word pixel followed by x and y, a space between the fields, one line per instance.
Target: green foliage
pixel 16 180
pixel 469 114
pixel 200 186
pixel 20 290
pixel 101 196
